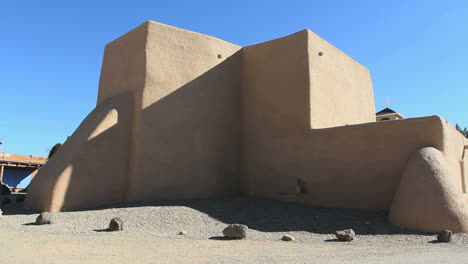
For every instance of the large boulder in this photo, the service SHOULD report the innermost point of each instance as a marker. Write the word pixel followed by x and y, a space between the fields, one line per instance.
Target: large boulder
pixel 236 231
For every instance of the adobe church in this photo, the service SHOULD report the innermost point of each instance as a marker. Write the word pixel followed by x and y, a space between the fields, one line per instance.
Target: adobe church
pixel 182 115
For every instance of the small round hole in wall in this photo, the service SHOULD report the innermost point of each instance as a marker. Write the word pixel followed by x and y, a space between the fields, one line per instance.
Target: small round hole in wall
pixel 220 56
pixel 320 53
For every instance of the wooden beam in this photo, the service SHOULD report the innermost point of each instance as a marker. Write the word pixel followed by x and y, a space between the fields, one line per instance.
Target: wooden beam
pixel 1 173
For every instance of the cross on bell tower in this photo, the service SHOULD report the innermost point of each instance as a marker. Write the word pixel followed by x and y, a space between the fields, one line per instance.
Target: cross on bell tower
pixel 387 113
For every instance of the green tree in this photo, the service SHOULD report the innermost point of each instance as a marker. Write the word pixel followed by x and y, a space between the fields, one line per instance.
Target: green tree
pixel 464 131
pixel 54 149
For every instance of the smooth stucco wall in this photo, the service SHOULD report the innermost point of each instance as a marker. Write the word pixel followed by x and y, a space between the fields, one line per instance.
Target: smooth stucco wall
pixel 340 88
pixel 187 141
pixel 124 64
pixel 454 143
pixel 428 197
pixel 274 109
pixel 464 168
pixel 355 166
pixel 90 168
pixel 167 125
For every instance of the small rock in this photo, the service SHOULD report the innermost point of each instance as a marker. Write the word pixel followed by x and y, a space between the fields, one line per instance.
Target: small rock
pixel 445 236
pixel 236 231
pixel 45 218
pixel 345 235
pixel 116 224
pixel 288 238
pixel 1 212
pixel 183 233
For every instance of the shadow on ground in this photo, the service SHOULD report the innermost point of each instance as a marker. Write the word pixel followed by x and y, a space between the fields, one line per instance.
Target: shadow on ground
pixel 15 204
pixel 222 238
pixel 102 230
pixel 277 216
pixel 272 216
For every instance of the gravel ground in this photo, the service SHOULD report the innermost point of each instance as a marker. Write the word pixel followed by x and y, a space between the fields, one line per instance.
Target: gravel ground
pixel 151 235
pixel 205 219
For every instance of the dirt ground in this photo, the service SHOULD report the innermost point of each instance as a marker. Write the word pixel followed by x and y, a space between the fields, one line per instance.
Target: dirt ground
pixel 151 235
pixel 118 247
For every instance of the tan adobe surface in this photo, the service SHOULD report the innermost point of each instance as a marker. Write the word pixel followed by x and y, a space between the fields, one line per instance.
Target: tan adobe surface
pixel 186 115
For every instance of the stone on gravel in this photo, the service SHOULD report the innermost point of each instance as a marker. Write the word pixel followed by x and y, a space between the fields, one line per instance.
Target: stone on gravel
pixel 345 235
pixel 163 220
pixel 288 238
pixel 183 233
pixel 45 218
pixel 237 231
pixel 445 236
pixel 116 224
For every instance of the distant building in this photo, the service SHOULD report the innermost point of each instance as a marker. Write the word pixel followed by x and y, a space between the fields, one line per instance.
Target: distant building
pixel 388 114
pixel 16 171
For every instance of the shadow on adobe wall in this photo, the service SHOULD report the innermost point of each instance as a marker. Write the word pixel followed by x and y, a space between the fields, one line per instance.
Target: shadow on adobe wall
pixel 217 175
pixel 189 141
pixel 89 161
pixel 98 165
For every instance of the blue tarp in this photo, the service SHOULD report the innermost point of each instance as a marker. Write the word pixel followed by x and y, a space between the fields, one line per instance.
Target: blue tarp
pixel 15 178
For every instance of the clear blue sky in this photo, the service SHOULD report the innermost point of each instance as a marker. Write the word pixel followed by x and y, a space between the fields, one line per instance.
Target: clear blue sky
pixel 51 52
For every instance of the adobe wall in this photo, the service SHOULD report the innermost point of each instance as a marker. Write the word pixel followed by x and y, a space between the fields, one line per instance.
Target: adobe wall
pixel 349 167
pixel 124 64
pixel 185 115
pixel 188 126
pixel 90 167
pixel 464 167
pixel 167 125
pixel 275 111
pixel 456 156
pixel 356 166
pixel 340 88
pixel 432 193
